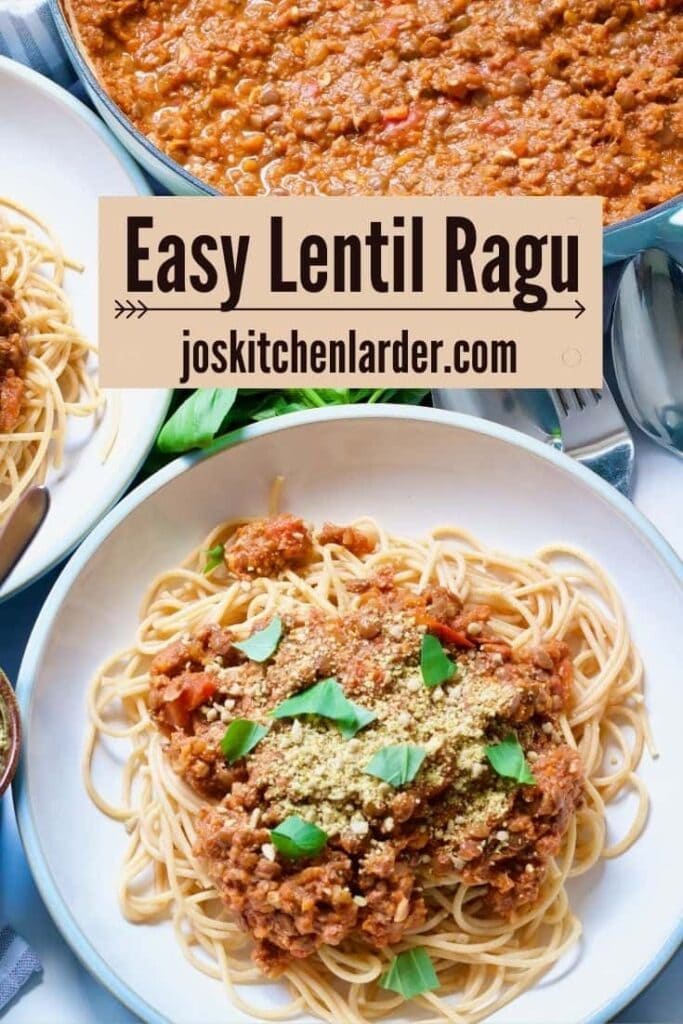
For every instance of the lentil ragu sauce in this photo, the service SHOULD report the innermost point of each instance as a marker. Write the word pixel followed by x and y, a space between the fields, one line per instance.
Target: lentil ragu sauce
pixel 457 819
pixel 13 358
pixel 374 97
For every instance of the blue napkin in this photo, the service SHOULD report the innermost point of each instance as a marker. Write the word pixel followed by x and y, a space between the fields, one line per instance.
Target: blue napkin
pixel 18 963
pixel 28 35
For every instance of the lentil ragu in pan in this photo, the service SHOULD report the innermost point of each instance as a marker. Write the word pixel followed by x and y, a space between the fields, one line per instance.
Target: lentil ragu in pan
pixel 348 97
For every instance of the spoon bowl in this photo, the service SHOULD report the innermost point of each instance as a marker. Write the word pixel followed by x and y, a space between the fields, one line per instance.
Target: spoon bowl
pixel 23 524
pixel 647 346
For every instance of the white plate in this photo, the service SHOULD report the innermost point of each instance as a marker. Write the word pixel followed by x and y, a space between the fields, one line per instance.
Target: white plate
pixel 58 160
pixel 413 469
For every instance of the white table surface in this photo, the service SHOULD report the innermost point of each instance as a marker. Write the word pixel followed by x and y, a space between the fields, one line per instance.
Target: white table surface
pixel 67 994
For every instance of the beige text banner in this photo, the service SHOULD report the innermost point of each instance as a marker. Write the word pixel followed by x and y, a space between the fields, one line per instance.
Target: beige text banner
pixel 273 292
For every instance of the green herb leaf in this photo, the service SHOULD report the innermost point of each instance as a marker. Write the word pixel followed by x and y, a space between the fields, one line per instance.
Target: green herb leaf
pixel 214 557
pixel 197 421
pixel 507 759
pixel 210 412
pixel 360 717
pixel 397 764
pixel 262 645
pixel 410 974
pixel 295 837
pixel 278 408
pixel 241 736
pixel 328 700
pixel 436 666
pixel 404 396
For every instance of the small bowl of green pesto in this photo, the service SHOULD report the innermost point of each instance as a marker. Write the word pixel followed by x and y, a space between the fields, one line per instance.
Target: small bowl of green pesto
pixel 10 733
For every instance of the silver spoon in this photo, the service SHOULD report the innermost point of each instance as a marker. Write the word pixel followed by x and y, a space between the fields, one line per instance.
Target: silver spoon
pixel 647 346
pixel 530 411
pixel 23 524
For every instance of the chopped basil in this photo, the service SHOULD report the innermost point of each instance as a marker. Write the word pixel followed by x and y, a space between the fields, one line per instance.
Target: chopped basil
pixel 214 557
pixel 241 736
pixel 262 645
pixel 361 717
pixel 295 837
pixel 436 666
pixel 507 758
pixel 411 973
pixel 328 700
pixel 397 764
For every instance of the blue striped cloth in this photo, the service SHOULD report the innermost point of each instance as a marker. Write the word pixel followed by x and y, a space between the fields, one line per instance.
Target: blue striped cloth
pixel 28 35
pixel 18 963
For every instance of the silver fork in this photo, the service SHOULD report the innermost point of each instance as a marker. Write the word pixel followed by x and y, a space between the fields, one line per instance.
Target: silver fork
pixel 595 433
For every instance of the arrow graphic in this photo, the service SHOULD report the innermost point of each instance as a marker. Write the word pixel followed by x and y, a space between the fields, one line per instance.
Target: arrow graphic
pixel 128 308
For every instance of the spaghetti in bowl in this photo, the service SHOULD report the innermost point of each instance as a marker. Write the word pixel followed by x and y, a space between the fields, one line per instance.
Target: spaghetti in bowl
pixel 377 758
pixel 330 473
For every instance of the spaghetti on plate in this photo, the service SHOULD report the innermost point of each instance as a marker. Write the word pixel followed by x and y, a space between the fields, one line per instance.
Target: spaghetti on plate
pixel 44 374
pixel 370 762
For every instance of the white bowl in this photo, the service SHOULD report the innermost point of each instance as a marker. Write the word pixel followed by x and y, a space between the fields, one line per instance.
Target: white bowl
pixel 412 469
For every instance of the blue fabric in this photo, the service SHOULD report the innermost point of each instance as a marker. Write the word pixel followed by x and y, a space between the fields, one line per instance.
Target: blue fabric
pixel 18 963
pixel 28 35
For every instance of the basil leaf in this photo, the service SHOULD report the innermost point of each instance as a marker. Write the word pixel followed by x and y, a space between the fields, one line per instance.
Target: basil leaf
pixel 209 412
pixel 325 698
pixel 214 557
pixel 328 700
pixel 241 736
pixel 295 837
pixel 397 764
pixel 410 973
pixel 408 396
pixel 507 759
pixel 197 421
pixel 402 396
pixel 278 408
pixel 435 664
pixel 335 396
pixel 360 717
pixel 262 645
pixel 357 395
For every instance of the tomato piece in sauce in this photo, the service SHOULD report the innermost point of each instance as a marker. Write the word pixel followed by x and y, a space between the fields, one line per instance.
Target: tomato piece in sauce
pixel 195 689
